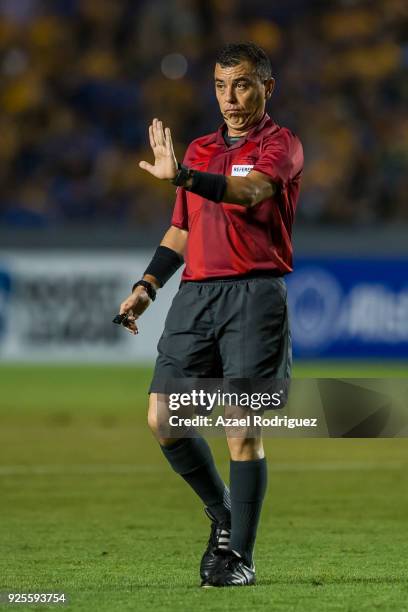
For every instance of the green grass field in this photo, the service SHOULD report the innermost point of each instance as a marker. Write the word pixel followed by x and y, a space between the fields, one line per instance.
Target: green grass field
pixel 90 508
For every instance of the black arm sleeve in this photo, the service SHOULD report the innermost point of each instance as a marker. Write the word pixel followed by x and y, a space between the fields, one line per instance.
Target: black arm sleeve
pixel 164 264
pixel 208 185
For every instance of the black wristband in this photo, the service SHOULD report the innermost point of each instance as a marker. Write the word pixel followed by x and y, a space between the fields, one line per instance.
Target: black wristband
pixel 150 290
pixel 182 176
pixel 208 185
pixel 164 264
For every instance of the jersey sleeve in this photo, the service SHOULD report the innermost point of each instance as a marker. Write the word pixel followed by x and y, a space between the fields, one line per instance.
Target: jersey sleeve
pixel 281 157
pixel 180 211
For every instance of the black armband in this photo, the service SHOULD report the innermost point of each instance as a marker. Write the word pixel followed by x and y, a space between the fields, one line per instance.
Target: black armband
pixel 164 264
pixel 206 184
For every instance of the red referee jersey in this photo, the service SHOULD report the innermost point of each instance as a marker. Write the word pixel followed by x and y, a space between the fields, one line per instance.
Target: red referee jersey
pixel 228 239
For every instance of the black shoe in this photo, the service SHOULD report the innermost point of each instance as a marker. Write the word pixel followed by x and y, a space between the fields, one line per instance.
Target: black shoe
pixel 231 570
pixel 219 540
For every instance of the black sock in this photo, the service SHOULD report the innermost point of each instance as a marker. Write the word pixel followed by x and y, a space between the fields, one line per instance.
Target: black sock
pixel 248 480
pixel 192 459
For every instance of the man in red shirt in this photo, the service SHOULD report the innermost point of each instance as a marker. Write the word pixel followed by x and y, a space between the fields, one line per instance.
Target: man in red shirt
pixel 237 191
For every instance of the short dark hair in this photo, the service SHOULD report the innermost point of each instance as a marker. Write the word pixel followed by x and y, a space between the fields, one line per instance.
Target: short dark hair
pixel 233 54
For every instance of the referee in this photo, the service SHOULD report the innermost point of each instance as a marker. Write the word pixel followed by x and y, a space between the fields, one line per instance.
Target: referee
pixel 237 191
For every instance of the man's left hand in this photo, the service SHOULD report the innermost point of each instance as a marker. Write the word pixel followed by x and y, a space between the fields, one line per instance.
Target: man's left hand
pixel 133 307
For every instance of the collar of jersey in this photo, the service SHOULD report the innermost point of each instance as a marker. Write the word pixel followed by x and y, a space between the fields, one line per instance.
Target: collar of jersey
pixel 253 134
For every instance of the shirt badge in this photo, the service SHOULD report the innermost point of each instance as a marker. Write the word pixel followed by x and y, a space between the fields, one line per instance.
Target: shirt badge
pixel 238 170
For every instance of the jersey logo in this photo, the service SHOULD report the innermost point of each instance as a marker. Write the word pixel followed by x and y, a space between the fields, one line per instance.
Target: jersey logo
pixel 241 170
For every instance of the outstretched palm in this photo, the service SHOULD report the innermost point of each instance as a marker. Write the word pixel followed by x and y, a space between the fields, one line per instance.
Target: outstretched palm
pixel 165 162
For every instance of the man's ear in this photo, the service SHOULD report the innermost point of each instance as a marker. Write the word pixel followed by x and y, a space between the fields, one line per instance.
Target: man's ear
pixel 269 87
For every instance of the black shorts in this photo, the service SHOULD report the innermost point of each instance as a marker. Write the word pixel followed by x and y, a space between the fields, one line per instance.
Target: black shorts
pixel 226 329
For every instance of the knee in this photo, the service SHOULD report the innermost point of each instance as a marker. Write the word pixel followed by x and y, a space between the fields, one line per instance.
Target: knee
pixel 152 422
pixel 246 449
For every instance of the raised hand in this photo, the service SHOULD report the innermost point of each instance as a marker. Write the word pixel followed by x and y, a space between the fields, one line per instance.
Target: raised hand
pixel 165 162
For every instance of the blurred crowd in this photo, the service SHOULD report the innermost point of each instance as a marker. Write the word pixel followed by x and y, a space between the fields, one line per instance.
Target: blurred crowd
pixel 81 80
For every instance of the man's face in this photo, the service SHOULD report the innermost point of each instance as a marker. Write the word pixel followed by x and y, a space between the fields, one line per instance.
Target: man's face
pixel 241 95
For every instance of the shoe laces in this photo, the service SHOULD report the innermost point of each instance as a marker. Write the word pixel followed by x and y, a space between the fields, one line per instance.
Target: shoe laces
pixel 231 560
pixel 228 559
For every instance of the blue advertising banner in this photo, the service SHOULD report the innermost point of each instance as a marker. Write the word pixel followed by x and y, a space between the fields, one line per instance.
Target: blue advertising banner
pixel 340 308
pixel 354 308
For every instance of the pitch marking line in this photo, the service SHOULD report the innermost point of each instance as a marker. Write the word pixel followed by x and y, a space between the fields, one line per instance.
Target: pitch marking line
pixel 88 469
